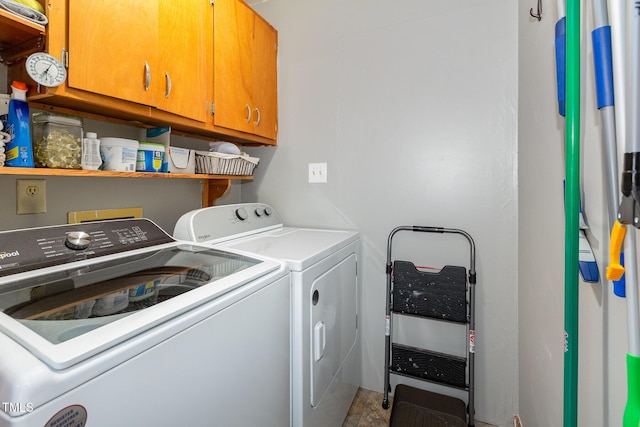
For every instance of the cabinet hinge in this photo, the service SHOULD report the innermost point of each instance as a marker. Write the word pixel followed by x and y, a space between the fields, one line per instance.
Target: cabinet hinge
pixel 212 2
pixel 213 108
pixel 64 58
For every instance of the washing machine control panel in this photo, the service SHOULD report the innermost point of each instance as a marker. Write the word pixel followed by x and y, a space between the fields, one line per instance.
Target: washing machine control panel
pixel 33 248
pixel 225 222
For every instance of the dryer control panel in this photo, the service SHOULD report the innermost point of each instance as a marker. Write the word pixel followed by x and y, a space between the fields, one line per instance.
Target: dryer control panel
pixel 217 224
pixel 33 248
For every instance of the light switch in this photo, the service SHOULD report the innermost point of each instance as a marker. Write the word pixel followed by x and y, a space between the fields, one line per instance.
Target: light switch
pixel 317 173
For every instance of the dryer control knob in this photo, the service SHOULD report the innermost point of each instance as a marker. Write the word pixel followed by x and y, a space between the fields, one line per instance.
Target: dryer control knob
pixel 259 212
pixel 241 214
pixel 77 240
pixel 267 211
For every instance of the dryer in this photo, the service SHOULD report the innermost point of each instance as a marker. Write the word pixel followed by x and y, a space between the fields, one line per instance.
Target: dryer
pixel 115 323
pixel 325 341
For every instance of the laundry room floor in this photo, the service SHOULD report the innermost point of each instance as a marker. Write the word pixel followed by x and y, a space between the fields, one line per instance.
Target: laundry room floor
pixel 366 411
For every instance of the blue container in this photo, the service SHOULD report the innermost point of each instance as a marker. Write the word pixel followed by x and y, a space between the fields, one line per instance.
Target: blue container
pixel 150 157
pixel 19 151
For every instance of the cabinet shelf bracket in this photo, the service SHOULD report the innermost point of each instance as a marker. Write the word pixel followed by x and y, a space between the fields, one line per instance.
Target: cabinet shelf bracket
pixel 213 189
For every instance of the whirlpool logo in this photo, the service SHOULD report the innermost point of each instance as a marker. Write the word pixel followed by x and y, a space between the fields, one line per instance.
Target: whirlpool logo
pixel 5 254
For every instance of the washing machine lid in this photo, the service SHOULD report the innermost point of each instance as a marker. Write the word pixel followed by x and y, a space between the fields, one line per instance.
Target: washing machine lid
pixel 75 306
pixel 300 248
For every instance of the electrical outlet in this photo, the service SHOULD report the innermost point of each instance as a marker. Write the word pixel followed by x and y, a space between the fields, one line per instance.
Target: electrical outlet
pixel 31 196
pixel 317 172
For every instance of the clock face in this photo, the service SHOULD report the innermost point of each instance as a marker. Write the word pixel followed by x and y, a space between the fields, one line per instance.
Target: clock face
pixel 45 70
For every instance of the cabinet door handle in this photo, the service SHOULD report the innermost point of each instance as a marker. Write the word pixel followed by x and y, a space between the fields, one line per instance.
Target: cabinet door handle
pixel 257 122
pixel 166 94
pixel 248 119
pixel 147 75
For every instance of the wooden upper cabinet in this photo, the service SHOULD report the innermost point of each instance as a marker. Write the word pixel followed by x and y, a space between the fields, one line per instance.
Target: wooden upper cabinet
pixel 151 52
pixel 265 86
pixel 152 62
pixel 245 69
pixel 185 55
pixel 113 49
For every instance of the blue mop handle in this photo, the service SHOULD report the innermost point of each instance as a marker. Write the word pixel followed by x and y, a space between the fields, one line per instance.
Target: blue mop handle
pixel 603 67
pixel 561 47
pixel 603 71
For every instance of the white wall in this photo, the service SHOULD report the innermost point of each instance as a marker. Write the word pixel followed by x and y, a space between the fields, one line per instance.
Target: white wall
pixel 413 106
pixel 602 325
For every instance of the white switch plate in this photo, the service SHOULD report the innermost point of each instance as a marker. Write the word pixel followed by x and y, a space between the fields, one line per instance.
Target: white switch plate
pixel 317 173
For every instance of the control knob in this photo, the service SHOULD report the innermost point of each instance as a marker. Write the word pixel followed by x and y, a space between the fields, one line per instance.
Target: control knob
pixel 77 240
pixel 267 211
pixel 241 214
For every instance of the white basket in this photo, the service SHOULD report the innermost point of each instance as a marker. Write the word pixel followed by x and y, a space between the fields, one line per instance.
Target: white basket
pixel 214 163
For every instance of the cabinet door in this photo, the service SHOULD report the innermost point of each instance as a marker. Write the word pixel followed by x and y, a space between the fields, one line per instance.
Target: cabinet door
pixel 233 66
pixel 265 85
pixel 185 43
pixel 109 44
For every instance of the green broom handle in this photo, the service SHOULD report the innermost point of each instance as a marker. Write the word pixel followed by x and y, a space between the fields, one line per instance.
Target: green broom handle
pixel 572 203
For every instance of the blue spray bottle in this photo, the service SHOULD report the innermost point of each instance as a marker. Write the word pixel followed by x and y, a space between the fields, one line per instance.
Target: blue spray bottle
pixel 19 151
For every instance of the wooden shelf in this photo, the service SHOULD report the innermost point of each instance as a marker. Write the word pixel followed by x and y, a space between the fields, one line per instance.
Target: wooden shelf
pixel 17 34
pixel 213 186
pixel 6 170
pixel 15 29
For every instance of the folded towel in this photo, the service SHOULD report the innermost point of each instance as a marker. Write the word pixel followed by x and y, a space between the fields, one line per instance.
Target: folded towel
pixel 24 11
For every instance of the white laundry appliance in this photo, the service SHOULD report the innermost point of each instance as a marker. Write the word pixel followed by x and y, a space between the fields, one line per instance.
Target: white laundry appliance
pixel 325 286
pixel 115 323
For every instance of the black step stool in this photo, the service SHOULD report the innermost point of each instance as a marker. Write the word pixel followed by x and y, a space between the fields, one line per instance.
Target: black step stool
pixel 436 296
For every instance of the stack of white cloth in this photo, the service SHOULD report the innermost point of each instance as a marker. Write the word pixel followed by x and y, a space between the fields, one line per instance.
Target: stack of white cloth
pixel 17 8
pixel 4 139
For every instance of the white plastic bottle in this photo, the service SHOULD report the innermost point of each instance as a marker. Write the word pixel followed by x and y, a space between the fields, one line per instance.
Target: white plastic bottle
pixel 91 159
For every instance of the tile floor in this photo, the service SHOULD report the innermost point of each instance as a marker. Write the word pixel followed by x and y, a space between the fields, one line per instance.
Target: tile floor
pixel 366 411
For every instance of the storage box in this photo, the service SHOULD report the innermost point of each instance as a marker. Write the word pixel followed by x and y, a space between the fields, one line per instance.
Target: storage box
pixel 214 163
pixel 176 159
pixel 181 160
pixel 57 140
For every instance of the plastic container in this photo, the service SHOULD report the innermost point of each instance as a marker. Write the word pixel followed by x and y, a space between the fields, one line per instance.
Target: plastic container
pixel 150 157
pixel 58 141
pixel 118 154
pixel 19 151
pixel 91 159
pixel 145 291
pixel 111 303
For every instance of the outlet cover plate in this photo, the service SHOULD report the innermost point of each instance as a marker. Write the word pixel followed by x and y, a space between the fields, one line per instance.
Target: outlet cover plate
pixel 31 196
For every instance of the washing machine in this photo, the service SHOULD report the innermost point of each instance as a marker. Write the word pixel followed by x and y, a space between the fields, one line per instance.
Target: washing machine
pixel 115 323
pixel 324 310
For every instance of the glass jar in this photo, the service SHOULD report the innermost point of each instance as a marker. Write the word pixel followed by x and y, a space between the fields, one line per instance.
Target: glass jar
pixel 57 140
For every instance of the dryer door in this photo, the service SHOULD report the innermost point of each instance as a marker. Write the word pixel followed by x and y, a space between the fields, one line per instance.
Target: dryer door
pixel 333 325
